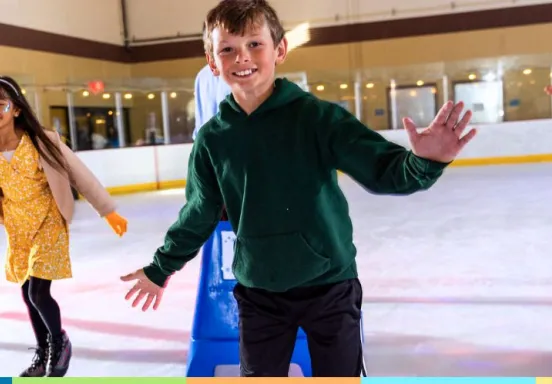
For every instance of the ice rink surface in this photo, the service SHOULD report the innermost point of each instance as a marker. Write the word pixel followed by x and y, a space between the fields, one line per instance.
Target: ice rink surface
pixel 457 282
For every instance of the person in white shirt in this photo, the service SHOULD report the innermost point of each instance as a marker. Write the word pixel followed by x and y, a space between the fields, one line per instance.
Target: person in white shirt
pixel 210 91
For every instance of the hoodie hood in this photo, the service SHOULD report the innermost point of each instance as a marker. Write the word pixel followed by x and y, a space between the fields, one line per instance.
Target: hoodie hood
pixel 285 92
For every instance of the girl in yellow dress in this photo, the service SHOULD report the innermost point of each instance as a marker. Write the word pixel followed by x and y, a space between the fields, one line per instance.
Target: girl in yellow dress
pixel 36 207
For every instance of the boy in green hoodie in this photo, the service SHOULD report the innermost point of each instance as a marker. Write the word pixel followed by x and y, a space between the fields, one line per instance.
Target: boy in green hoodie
pixel 271 156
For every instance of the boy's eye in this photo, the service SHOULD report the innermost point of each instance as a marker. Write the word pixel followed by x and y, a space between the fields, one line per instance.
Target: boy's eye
pixel 254 44
pixel 226 49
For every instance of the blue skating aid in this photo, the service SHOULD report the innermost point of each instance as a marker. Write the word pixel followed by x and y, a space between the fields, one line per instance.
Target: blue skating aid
pixel 214 342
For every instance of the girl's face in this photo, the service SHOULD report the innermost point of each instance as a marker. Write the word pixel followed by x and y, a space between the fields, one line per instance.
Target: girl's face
pixel 8 112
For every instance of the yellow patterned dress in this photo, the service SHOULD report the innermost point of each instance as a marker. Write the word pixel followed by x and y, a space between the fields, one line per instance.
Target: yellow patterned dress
pixel 38 236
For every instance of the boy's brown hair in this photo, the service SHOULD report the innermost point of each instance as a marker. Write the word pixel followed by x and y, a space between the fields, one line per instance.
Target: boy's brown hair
pixel 237 16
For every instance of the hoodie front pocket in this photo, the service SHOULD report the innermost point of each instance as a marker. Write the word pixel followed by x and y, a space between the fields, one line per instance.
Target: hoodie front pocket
pixel 277 262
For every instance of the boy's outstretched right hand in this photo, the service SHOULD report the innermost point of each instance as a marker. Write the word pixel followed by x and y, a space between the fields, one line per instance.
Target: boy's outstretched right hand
pixel 144 287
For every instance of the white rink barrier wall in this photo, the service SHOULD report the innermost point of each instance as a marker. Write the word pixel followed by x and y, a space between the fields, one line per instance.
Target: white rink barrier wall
pixel 137 169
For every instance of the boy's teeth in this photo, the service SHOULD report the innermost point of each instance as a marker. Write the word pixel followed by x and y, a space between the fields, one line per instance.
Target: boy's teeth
pixel 244 73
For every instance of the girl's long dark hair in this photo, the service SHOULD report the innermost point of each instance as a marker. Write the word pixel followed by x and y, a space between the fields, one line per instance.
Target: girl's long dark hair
pixel 27 121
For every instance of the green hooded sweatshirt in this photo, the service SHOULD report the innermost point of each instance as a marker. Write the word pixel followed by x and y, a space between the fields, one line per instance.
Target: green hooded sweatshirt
pixel 275 171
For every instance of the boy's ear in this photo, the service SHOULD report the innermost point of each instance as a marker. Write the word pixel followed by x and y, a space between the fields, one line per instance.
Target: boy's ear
pixel 212 64
pixel 281 50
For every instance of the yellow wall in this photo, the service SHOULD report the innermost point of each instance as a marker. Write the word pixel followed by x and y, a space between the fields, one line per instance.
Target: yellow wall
pixel 317 61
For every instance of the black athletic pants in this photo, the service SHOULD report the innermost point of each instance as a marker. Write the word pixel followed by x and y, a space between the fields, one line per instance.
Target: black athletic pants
pixel 43 310
pixel 330 315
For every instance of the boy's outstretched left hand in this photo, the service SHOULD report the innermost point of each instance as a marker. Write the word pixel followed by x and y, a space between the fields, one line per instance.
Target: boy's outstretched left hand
pixel 442 140
pixel 145 288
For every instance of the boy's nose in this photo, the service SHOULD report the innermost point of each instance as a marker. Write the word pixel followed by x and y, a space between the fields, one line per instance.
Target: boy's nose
pixel 243 57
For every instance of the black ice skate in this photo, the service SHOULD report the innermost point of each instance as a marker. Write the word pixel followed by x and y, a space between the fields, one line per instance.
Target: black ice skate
pixel 59 355
pixel 38 366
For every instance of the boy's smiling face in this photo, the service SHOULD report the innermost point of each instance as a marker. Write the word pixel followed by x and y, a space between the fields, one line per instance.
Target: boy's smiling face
pixel 246 63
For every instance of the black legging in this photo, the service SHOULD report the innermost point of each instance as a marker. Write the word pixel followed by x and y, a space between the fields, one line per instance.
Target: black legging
pixel 43 309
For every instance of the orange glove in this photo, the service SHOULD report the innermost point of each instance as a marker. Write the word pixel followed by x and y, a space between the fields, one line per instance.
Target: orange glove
pixel 117 223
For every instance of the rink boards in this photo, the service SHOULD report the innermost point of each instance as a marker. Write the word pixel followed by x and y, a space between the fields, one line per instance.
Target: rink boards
pixel 158 167
pixel 237 380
